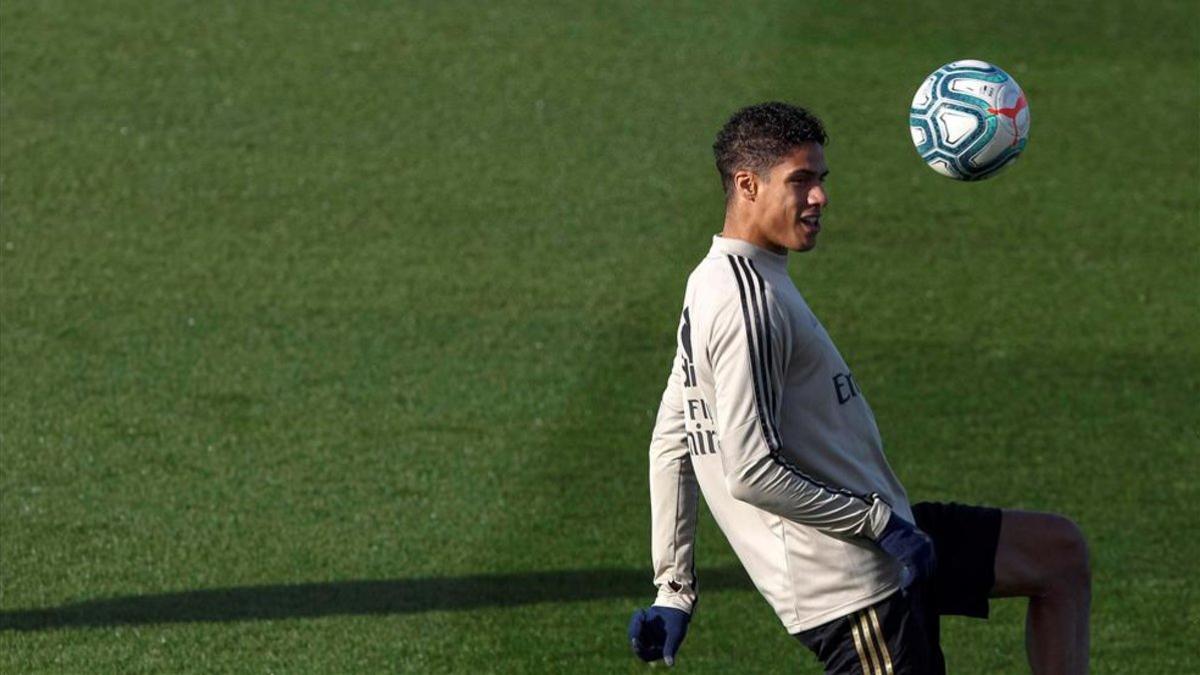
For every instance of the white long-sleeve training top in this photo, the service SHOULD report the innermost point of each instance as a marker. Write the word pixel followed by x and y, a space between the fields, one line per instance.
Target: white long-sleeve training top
pixel 762 415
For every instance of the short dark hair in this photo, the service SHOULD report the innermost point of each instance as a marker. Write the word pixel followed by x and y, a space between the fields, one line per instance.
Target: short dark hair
pixel 758 136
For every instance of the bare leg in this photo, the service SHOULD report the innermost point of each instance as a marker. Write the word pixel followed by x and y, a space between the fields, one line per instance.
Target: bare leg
pixel 1044 557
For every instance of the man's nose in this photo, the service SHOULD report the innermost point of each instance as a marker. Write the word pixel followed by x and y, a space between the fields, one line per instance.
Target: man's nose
pixel 818 197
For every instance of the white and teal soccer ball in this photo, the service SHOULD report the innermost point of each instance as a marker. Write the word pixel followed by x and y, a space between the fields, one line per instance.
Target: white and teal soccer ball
pixel 968 120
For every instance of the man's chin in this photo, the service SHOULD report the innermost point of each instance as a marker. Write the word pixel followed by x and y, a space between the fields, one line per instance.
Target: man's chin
pixel 806 238
pixel 806 244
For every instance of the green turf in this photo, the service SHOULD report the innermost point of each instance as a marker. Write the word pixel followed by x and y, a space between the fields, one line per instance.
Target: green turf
pixel 332 332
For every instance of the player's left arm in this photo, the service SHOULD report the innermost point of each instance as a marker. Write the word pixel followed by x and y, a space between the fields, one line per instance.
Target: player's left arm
pixel 656 632
pixel 674 500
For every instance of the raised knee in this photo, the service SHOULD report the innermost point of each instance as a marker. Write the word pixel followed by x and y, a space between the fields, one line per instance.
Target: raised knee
pixel 1041 555
pixel 1070 566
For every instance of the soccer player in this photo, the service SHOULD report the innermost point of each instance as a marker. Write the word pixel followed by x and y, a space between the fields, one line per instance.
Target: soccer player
pixel 763 417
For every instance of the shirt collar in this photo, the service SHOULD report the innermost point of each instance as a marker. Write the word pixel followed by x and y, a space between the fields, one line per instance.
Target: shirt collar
pixel 760 256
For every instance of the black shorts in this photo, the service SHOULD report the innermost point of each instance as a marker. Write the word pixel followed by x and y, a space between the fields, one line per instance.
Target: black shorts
pixel 900 634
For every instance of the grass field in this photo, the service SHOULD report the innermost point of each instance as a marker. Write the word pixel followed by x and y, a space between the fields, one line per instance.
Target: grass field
pixel 332 333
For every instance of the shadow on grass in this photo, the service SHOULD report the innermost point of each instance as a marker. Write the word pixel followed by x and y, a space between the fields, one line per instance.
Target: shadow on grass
pixel 338 598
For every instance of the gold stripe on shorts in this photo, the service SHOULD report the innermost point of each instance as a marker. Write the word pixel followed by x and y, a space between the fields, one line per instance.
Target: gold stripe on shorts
pixel 868 666
pixel 887 657
pixel 866 633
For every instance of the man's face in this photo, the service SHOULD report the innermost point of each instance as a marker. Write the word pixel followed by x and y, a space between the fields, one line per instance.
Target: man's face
pixel 789 202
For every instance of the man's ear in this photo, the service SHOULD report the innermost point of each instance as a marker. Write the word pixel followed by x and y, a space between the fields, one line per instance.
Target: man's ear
pixel 745 184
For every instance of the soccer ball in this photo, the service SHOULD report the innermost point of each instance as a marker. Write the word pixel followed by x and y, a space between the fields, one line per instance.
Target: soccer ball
pixel 968 120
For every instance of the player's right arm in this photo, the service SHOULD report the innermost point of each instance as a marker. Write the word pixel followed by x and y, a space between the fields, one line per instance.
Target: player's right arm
pixel 747 347
pixel 749 357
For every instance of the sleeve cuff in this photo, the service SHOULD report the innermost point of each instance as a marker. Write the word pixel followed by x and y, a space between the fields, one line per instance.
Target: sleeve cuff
pixel 681 601
pixel 877 518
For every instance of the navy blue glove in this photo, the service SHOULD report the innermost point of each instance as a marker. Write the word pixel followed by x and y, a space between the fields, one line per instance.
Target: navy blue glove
pixel 912 547
pixel 656 632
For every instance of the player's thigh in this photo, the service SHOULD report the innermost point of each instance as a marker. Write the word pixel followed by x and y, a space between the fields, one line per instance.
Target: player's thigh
pixel 1036 551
